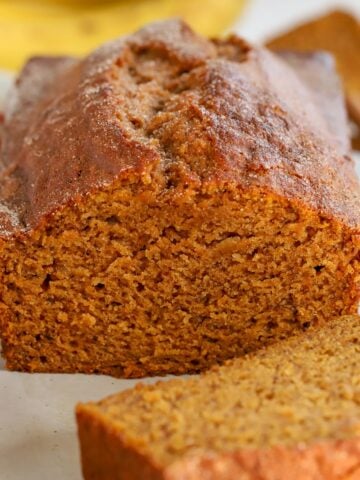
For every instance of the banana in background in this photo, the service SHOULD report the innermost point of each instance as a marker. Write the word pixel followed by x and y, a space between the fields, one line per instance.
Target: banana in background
pixel 58 27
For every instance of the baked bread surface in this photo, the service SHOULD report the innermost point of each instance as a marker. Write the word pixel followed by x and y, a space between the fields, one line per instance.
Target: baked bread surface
pixel 168 103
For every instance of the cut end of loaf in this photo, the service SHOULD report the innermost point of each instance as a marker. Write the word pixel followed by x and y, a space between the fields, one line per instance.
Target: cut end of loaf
pixel 136 281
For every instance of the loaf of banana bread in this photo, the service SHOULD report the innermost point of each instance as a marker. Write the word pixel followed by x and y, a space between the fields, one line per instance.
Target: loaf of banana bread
pixel 170 202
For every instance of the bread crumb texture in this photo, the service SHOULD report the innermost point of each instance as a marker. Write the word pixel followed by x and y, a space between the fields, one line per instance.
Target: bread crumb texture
pixel 168 203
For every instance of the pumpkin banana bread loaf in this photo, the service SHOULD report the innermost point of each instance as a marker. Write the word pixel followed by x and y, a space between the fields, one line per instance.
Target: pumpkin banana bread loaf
pixel 291 411
pixel 170 202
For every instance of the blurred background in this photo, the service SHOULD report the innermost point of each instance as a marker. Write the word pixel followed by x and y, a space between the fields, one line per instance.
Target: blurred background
pixel 32 27
pixel 77 26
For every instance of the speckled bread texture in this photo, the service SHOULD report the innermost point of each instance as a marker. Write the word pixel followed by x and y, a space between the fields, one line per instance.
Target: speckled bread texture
pixel 170 202
pixel 291 411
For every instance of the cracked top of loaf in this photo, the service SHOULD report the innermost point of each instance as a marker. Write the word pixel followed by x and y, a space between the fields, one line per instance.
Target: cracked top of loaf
pixel 169 108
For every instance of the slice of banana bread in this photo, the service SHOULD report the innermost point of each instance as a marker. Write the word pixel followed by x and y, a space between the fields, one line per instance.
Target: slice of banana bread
pixel 291 411
pixel 170 202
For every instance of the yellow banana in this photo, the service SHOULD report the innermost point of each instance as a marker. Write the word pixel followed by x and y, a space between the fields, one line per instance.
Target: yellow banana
pixel 33 27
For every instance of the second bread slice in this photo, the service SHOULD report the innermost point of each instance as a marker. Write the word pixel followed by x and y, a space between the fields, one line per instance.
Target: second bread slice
pixel 291 411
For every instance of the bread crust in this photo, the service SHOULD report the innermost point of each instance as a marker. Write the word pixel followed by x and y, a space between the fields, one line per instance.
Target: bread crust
pixel 106 455
pixel 249 119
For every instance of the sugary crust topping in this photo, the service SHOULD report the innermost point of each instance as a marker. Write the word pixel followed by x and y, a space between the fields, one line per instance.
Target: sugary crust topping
pixel 167 107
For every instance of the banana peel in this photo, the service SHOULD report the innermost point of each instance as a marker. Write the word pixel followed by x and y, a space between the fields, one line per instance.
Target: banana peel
pixel 65 27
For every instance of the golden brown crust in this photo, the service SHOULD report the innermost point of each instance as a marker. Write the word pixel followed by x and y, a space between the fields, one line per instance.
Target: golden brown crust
pixel 247 119
pixel 105 454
